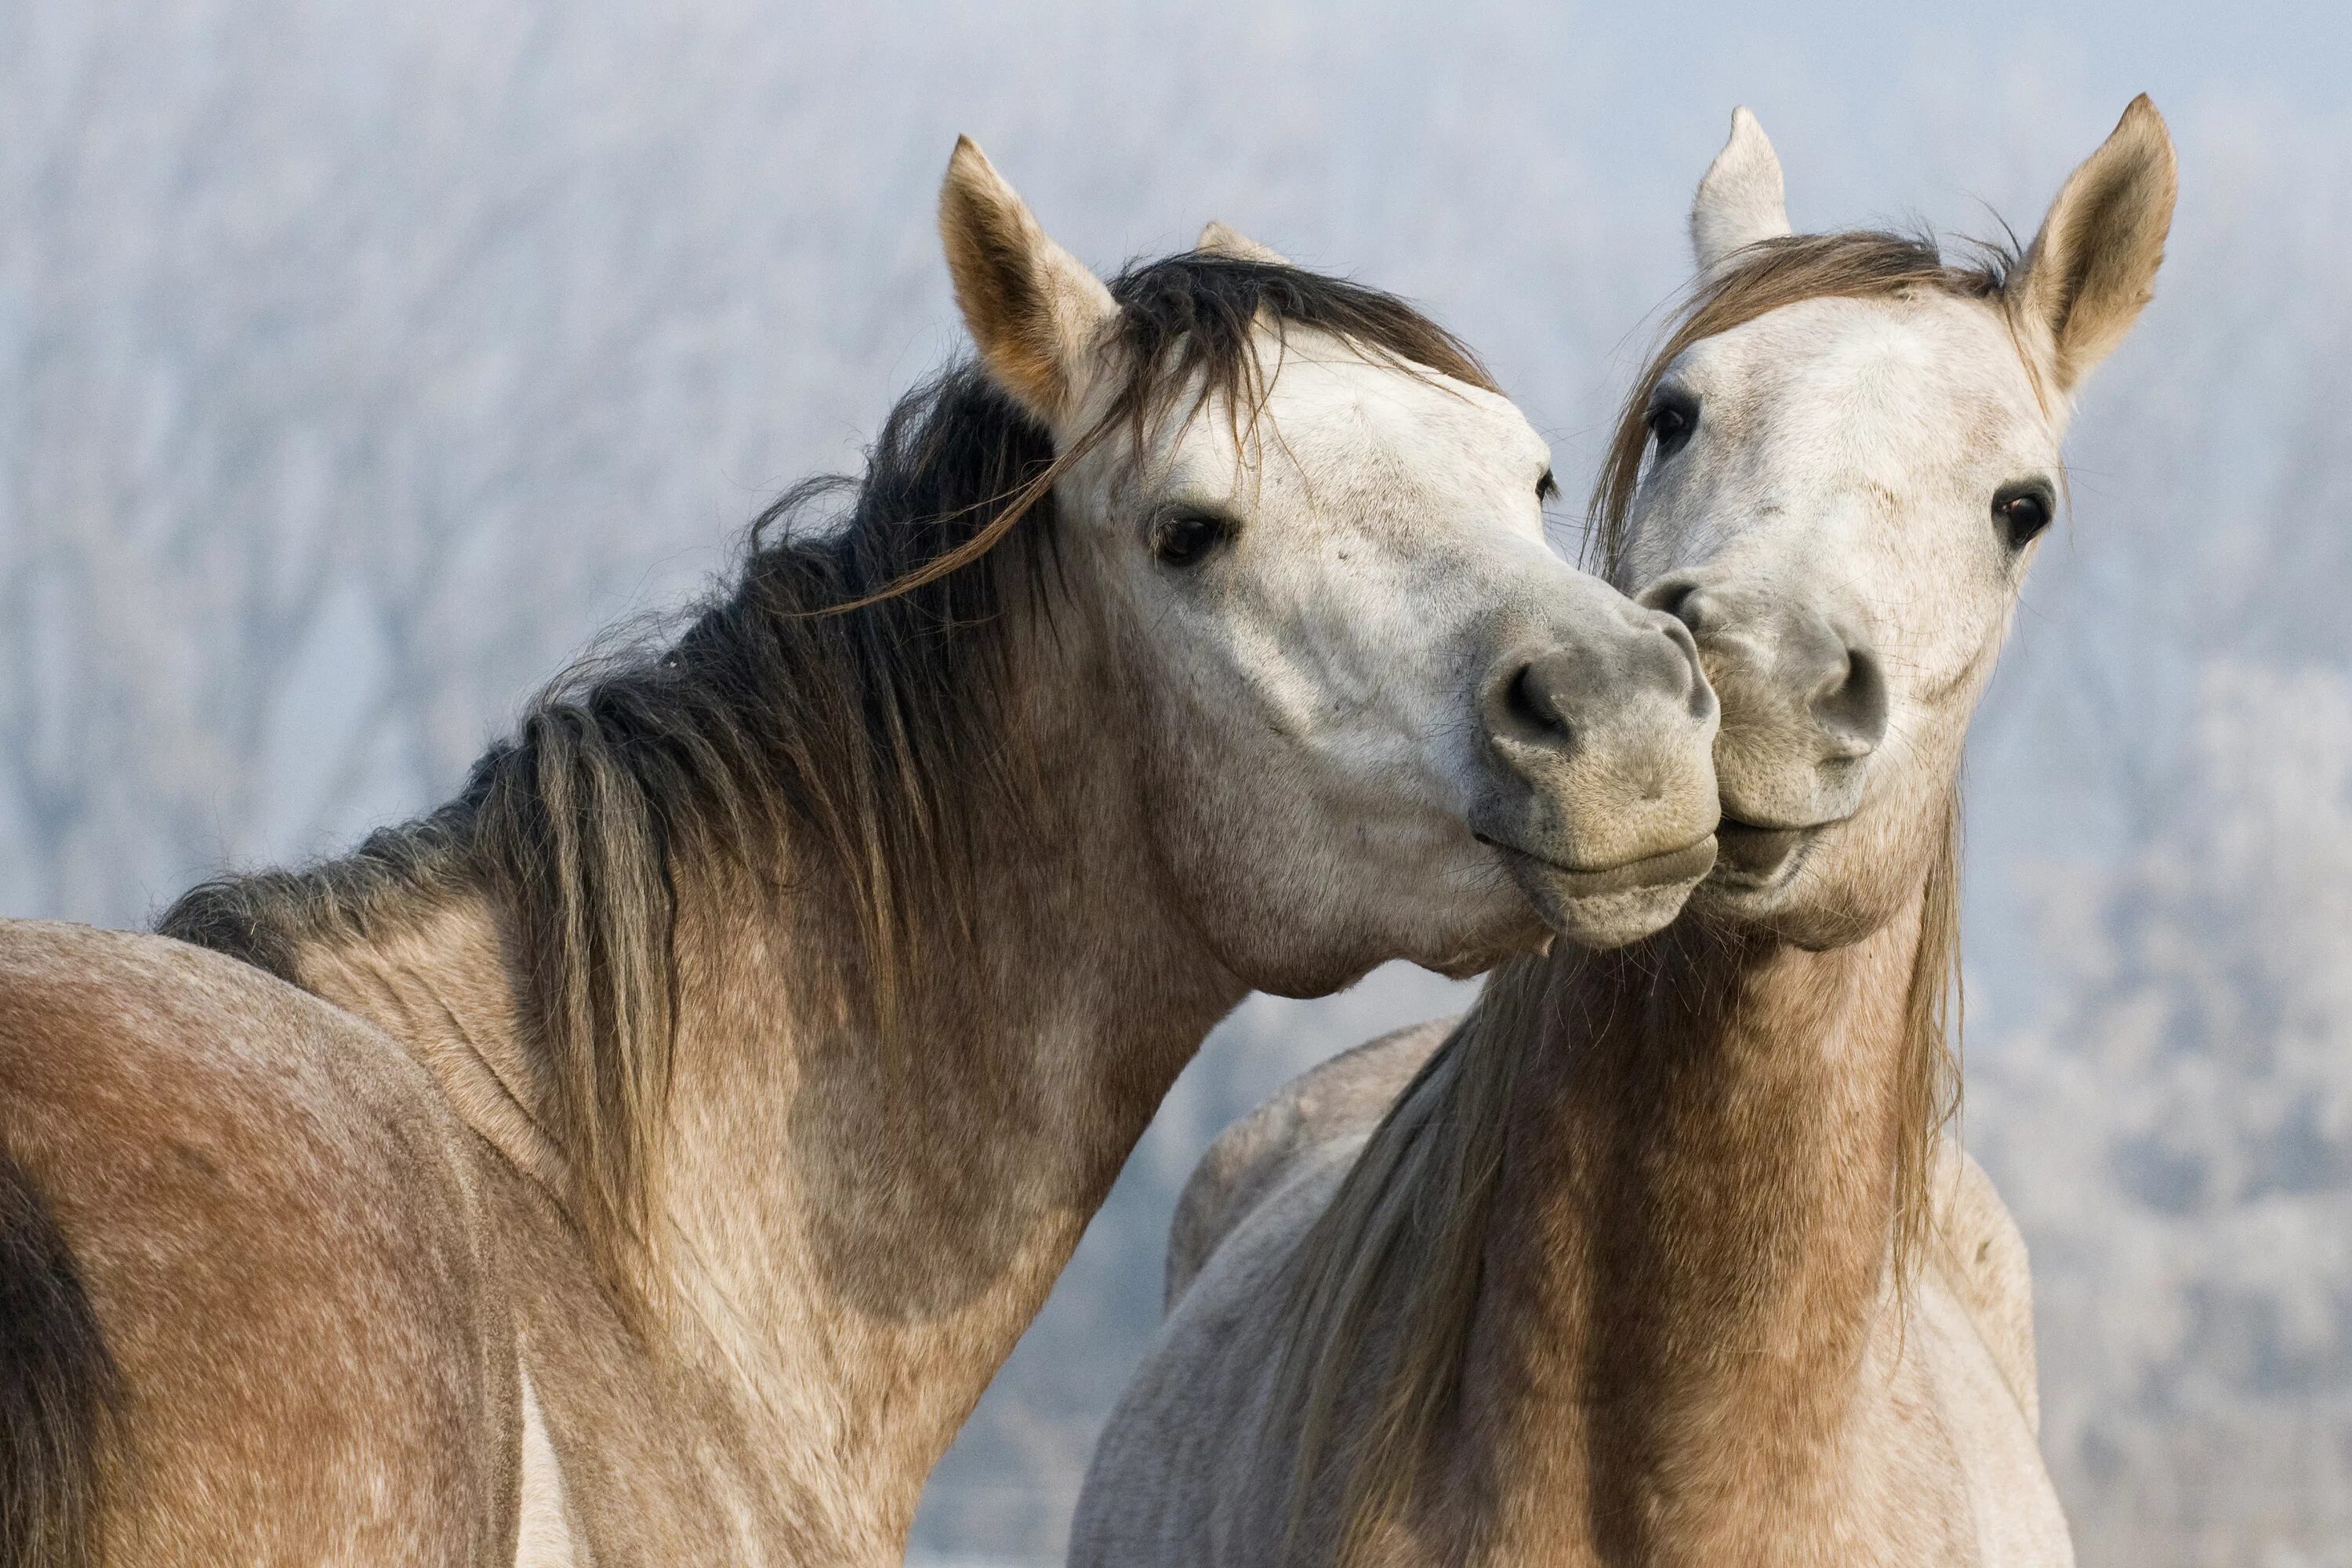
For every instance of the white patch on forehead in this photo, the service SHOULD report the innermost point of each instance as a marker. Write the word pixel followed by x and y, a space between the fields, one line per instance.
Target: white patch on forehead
pixel 1343 429
pixel 1900 388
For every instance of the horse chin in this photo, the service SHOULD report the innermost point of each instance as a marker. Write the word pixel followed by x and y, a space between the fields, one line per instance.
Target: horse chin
pixel 1778 880
pixel 1615 905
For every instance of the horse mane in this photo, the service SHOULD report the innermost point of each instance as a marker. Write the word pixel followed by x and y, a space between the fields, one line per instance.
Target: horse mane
pixel 845 694
pixel 1388 1274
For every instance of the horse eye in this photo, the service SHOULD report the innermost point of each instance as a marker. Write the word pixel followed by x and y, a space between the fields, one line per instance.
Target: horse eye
pixel 2022 514
pixel 1671 418
pixel 1187 537
pixel 1547 487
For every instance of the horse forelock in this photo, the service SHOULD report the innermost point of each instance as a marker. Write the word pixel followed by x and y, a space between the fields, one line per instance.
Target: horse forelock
pixel 850 694
pixel 1192 324
pixel 1855 264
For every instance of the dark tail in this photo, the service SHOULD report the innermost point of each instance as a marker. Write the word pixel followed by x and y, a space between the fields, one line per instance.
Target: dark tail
pixel 59 1392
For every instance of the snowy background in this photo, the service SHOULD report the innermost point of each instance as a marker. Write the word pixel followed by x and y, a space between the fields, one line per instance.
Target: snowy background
pixel 357 362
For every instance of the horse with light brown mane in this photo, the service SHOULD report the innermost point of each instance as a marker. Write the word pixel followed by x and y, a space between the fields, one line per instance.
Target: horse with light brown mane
pixel 649 1156
pixel 1660 1256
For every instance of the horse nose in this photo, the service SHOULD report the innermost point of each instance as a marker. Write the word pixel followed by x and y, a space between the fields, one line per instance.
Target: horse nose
pixel 1547 702
pixel 1833 675
pixel 1600 735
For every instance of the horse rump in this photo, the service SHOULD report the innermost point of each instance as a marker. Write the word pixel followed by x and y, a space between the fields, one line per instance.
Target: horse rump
pixel 59 1391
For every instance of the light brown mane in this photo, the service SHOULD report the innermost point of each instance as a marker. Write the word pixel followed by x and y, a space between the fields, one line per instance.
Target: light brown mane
pixel 1389 1273
pixel 846 695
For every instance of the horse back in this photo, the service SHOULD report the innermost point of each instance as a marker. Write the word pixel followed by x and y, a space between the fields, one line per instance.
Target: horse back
pixel 1347 1095
pixel 266 1210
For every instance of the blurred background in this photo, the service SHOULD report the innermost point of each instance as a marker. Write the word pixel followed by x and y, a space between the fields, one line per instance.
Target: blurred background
pixel 358 361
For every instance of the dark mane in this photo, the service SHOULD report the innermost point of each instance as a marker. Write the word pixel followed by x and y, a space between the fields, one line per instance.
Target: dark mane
pixel 844 696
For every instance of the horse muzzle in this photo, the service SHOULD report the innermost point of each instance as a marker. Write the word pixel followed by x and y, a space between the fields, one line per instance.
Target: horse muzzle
pixel 1805 708
pixel 1601 797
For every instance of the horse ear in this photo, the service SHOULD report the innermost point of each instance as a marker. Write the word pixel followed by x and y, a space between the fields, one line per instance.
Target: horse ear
pixel 1218 240
pixel 2092 265
pixel 1035 311
pixel 1739 201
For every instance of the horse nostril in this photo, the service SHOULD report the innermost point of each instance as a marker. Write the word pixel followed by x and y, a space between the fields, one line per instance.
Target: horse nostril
pixel 1686 677
pixel 1679 597
pixel 1679 661
pixel 1538 703
pixel 1532 698
pixel 1852 706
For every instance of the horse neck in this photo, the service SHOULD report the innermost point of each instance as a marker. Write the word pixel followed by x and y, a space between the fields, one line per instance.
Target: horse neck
pixel 896 1211
pixel 1690 1251
pixel 847 1234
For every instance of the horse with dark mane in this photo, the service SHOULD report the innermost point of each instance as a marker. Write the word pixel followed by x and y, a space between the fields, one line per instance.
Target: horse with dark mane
pixel 649 1155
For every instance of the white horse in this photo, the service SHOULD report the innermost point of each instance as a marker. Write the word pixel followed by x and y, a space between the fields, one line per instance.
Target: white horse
pixel 649 1156
pixel 1661 1256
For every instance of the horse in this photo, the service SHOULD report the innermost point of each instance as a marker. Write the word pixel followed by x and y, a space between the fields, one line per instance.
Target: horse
pixel 1662 1254
pixel 649 1155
